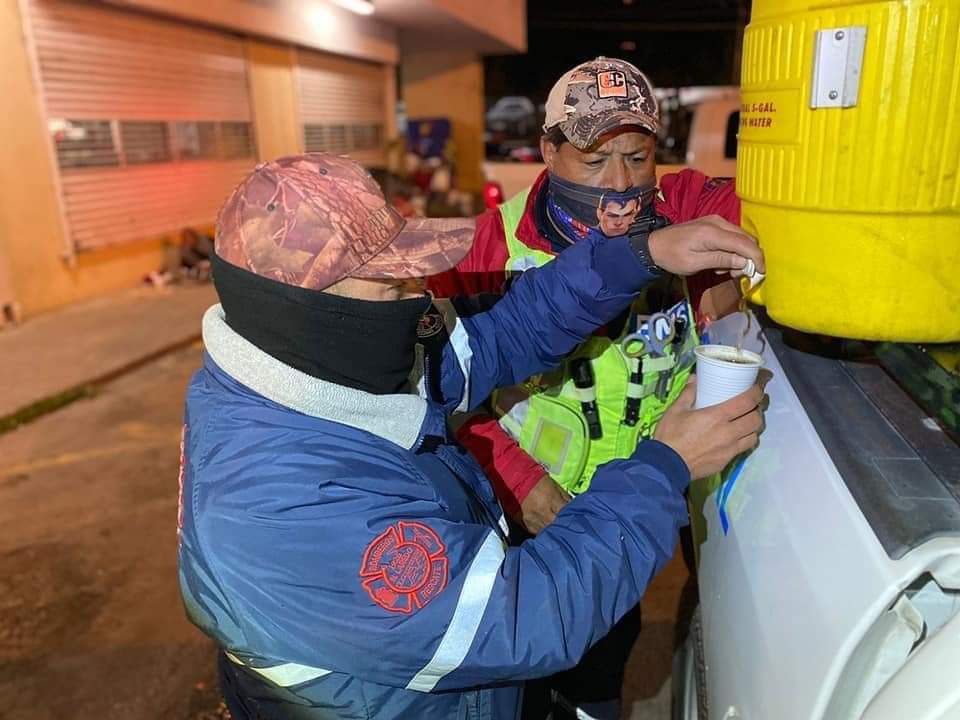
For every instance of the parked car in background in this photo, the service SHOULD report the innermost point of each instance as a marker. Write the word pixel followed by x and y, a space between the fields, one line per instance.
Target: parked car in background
pixel 512 115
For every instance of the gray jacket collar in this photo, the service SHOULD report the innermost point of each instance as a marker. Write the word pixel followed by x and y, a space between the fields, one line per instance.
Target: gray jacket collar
pixel 397 418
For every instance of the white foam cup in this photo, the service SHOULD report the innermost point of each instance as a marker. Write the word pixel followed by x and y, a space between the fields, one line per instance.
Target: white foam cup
pixel 719 377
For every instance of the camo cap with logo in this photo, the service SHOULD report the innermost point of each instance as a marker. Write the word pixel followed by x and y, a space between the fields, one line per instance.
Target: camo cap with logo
pixel 599 96
pixel 314 219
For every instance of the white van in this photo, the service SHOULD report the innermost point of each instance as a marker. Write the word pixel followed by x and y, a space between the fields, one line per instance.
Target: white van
pixel 712 143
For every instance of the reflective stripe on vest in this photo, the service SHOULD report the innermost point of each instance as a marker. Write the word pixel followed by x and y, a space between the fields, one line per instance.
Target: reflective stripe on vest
pixel 520 257
pixel 549 424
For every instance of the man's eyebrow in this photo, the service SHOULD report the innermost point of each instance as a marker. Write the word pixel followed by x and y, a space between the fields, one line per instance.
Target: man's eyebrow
pixel 642 147
pixel 608 153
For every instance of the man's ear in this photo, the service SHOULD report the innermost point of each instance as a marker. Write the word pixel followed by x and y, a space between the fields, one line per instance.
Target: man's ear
pixel 549 152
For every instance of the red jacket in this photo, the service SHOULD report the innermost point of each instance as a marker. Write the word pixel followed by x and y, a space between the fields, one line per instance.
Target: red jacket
pixel 683 196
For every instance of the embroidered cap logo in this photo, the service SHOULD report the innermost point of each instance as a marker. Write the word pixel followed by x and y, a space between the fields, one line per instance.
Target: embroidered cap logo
pixel 611 83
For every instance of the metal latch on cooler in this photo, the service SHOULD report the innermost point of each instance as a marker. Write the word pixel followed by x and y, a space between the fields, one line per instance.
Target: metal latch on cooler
pixel 837 66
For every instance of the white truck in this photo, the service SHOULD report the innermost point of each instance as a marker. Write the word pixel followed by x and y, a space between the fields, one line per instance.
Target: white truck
pixel 829 578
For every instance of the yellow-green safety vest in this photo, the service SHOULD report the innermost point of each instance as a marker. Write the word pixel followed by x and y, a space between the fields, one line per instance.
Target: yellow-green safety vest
pixel 544 414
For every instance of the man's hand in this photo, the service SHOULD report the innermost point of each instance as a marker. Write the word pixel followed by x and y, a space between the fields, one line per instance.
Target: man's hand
pixel 542 504
pixel 710 438
pixel 707 243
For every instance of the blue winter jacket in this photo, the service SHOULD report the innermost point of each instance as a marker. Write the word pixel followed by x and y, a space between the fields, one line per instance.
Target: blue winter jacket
pixel 350 557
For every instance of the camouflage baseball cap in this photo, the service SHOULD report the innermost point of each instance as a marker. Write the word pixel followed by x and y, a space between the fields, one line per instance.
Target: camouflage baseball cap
pixel 314 219
pixel 599 96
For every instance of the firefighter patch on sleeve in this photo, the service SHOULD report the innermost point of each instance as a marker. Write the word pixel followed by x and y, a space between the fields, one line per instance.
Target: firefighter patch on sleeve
pixel 404 567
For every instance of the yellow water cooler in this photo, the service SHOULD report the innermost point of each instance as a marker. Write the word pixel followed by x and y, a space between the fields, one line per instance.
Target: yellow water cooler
pixel 848 158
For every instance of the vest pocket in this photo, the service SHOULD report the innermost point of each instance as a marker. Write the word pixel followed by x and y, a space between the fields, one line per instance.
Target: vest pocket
pixel 556 436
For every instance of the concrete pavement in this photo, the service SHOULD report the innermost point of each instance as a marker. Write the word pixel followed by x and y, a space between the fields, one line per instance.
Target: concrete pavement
pixel 91 622
pixel 57 355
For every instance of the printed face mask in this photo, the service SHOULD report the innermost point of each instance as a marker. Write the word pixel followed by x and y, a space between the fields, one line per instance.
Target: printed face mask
pixel 580 211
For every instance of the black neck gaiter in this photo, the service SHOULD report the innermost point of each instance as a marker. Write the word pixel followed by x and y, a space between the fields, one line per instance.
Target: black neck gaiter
pixel 363 344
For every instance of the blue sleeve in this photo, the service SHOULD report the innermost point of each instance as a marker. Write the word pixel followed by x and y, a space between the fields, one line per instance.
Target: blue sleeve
pixel 557 594
pixel 468 612
pixel 545 314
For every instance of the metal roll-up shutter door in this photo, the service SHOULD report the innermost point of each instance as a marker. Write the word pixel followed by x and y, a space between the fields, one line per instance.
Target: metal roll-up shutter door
pixel 342 106
pixel 150 119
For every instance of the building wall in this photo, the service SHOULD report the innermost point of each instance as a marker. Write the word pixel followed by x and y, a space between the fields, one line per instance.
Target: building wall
pixel 314 24
pixel 505 20
pixel 46 273
pixel 273 94
pixel 449 84
pixel 31 232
